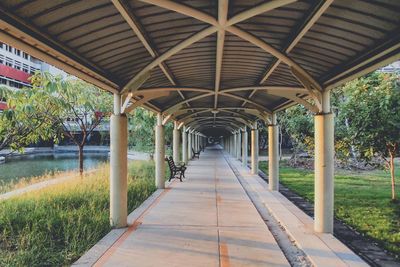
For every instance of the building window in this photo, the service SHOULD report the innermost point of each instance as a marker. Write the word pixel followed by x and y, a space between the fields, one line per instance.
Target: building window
pixel 8 48
pixel 33 70
pixel 25 68
pixel 17 65
pixel 9 62
pixel 1 45
pixel 16 84
pixel 1 59
pixel 17 52
pixel 3 81
pixel 25 55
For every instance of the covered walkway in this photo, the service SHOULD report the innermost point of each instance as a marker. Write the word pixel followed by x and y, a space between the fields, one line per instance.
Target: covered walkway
pixel 209 220
pixel 192 224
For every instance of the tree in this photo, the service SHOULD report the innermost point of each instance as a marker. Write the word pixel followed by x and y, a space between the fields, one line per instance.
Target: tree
pixel 141 130
pixel 24 122
pixel 297 123
pixel 78 106
pixel 372 106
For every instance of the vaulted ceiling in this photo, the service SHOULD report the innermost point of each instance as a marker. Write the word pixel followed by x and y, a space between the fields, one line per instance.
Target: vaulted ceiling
pixel 208 63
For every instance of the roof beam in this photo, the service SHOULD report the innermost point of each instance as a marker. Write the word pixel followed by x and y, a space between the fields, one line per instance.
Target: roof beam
pixel 220 118
pixel 276 53
pixel 227 90
pixel 183 9
pixel 262 8
pixel 190 117
pixel 249 101
pixel 180 46
pixel 173 89
pixel 126 12
pixel 275 89
pixel 222 18
pixel 145 98
pixel 314 16
pixel 174 107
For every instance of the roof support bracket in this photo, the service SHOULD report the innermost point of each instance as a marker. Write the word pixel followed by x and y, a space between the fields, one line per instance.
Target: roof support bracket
pixel 314 93
pixel 144 98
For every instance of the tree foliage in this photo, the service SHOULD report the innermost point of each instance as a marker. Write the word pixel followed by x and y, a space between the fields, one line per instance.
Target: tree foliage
pixel 297 122
pixel 24 122
pixel 372 106
pixel 141 130
pixel 77 106
pixel 367 121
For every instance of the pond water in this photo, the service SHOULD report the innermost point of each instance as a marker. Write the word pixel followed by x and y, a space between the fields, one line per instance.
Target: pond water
pixel 35 165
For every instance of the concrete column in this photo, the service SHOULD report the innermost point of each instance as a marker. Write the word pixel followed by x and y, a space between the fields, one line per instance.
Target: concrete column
pixel 273 154
pixel 239 145
pixel 159 155
pixel 184 145
pixel 190 155
pixel 244 147
pixel 230 145
pixel 195 141
pixel 234 145
pixel 324 168
pixel 118 166
pixel 254 149
pixel 175 142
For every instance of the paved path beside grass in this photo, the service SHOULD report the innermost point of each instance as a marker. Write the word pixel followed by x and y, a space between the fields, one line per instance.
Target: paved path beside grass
pixel 209 220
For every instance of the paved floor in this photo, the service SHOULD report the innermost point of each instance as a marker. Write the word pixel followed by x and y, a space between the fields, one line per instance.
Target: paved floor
pixel 207 220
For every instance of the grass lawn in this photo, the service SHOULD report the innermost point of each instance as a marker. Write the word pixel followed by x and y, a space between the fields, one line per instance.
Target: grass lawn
pixel 362 200
pixel 56 225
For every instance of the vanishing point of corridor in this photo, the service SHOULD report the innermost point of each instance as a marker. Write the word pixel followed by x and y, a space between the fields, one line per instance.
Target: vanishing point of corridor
pixel 207 220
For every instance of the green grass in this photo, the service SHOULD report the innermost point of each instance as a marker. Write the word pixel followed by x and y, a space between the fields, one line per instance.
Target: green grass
pixel 55 226
pixel 362 200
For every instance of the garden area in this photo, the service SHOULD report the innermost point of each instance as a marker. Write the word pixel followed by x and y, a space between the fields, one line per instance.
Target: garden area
pixel 362 200
pixel 56 225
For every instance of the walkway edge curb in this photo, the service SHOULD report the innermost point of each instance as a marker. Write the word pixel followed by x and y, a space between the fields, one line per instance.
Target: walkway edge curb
pixel 98 250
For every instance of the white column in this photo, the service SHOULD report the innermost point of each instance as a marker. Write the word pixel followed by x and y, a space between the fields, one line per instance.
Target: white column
pixel 118 166
pixel 184 145
pixel 159 154
pixel 190 139
pixel 197 141
pixel 239 145
pixel 254 149
pixel 244 147
pixel 175 142
pixel 273 154
pixel 324 168
pixel 234 145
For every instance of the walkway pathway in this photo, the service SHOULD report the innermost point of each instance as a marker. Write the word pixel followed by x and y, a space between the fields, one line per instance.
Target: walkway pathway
pixel 207 220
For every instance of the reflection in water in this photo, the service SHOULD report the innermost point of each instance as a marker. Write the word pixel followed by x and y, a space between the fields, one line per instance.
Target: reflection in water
pixel 39 164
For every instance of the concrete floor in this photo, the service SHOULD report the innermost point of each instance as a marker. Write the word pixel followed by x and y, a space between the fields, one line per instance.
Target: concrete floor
pixel 207 220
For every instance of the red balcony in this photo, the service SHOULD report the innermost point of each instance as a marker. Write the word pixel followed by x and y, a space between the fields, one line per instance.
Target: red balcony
pixel 3 106
pixel 15 74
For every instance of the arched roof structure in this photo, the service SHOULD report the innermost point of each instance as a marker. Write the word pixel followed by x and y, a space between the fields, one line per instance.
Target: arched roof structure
pixel 214 65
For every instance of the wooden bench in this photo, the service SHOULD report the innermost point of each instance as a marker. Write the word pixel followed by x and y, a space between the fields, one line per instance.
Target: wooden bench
pixel 175 169
pixel 195 154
